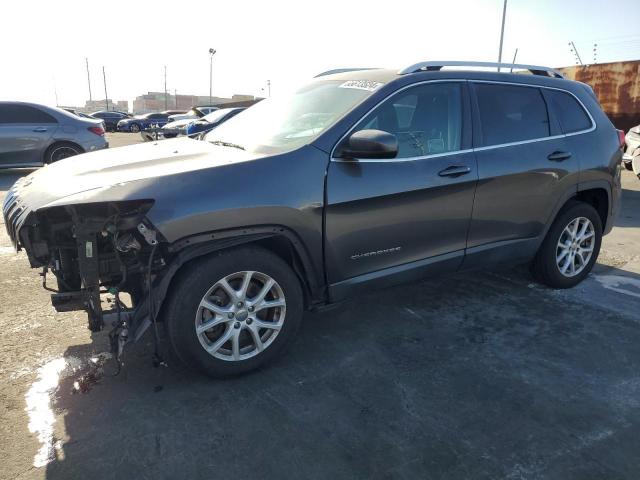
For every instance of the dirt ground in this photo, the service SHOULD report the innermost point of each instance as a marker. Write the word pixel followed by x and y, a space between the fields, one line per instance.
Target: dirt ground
pixel 476 375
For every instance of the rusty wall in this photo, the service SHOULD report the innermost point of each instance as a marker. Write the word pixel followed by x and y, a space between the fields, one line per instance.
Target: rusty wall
pixel 617 86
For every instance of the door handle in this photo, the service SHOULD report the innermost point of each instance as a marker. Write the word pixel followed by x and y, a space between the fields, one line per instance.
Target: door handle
pixel 40 129
pixel 559 156
pixel 454 171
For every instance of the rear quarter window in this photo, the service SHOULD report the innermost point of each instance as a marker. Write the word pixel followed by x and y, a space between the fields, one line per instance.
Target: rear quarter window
pixel 570 113
pixel 510 113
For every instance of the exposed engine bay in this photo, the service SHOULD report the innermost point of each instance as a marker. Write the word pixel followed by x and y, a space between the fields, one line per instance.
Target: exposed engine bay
pixel 94 250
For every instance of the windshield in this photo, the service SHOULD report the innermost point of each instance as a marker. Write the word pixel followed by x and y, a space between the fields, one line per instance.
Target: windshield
pixel 283 123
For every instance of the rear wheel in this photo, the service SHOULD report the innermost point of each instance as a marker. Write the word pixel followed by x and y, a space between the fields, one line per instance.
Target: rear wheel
pixel 60 151
pixel 233 311
pixel 628 165
pixel 570 248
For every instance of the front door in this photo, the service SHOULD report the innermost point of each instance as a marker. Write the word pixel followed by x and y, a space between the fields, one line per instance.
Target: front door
pixel 412 210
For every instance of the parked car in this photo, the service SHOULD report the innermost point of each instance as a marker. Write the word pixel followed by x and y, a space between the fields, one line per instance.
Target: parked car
pixel 83 115
pixel 76 112
pixel 358 180
pixel 193 127
pixel 33 135
pixel 175 128
pixel 110 118
pixel 211 121
pixel 632 144
pixel 141 122
pixel 174 112
pixel 195 112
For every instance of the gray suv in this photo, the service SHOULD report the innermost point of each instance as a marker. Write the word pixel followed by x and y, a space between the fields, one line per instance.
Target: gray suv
pixel 33 135
pixel 361 179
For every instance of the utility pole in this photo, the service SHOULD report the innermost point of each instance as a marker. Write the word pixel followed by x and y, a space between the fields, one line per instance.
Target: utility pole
pixel 88 77
pixel 575 51
pixel 515 54
pixel 269 87
pixel 106 97
pixel 595 53
pixel 55 90
pixel 504 15
pixel 166 99
pixel 212 52
pixel 175 95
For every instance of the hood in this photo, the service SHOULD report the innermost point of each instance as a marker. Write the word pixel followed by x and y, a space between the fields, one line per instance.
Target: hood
pixel 179 123
pixel 77 178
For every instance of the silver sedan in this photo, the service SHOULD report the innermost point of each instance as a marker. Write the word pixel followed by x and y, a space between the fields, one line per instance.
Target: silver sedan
pixel 33 135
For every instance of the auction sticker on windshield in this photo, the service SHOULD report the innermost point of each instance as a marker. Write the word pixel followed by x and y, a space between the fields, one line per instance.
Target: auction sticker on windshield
pixel 362 85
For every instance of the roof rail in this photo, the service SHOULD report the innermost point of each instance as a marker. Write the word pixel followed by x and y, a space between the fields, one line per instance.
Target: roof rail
pixel 435 66
pixel 342 70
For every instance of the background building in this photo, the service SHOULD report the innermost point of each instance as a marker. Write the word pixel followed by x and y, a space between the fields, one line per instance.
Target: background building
pixel 91 106
pixel 155 101
pixel 617 86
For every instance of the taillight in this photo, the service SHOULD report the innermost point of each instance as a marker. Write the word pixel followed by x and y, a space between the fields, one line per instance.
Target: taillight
pixel 97 130
pixel 621 138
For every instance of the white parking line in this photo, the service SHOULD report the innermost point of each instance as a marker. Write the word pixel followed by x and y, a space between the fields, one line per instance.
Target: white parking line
pixel 615 282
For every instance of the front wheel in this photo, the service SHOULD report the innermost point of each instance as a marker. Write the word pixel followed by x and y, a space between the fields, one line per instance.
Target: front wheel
pixel 570 248
pixel 233 311
pixel 134 128
pixel 628 165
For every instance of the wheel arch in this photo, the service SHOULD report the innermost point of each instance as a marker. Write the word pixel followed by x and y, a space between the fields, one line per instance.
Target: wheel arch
pixel 598 195
pixel 277 239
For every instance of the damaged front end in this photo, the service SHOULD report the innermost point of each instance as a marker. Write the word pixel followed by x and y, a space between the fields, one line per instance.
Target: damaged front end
pixel 93 249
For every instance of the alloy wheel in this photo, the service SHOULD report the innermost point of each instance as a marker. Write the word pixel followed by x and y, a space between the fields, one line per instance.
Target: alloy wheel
pixel 575 247
pixel 240 315
pixel 63 151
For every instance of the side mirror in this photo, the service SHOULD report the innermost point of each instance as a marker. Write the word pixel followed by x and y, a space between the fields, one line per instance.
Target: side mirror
pixel 370 144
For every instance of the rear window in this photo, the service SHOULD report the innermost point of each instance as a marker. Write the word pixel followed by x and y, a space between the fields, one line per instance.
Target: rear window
pixel 24 114
pixel 571 114
pixel 510 113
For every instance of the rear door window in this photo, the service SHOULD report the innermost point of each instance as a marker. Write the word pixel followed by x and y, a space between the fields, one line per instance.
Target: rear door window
pixel 570 113
pixel 24 114
pixel 510 113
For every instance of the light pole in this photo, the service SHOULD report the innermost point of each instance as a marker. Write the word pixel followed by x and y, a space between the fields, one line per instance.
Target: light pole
pixel 106 97
pixel 166 100
pixel 212 52
pixel 88 77
pixel 504 14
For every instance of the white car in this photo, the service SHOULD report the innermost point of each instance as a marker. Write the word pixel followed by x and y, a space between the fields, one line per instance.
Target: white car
pixel 193 114
pixel 178 127
pixel 632 152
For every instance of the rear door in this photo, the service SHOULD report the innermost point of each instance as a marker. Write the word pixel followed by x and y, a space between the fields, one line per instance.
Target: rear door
pixel 525 169
pixel 25 133
pixel 411 211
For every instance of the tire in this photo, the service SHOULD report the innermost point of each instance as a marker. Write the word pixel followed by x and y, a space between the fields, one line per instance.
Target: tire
pixel 134 128
pixel 61 150
pixel 199 282
pixel 628 165
pixel 546 267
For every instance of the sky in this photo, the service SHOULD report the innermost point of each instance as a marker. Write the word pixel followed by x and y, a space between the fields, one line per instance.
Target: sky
pixel 44 43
